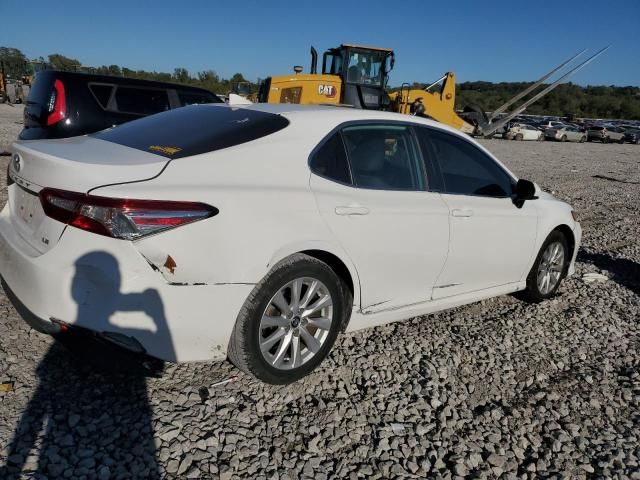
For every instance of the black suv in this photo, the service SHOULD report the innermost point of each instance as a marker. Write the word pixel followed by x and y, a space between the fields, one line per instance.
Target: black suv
pixel 66 104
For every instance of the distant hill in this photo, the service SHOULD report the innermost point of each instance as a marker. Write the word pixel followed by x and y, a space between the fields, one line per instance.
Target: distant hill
pixel 566 99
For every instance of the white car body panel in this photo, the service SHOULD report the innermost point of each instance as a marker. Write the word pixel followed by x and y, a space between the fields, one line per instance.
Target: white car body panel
pixel 416 228
pixel 270 206
pixel 491 244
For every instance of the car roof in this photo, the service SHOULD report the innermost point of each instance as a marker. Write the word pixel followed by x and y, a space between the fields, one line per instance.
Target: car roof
pixel 125 81
pixel 339 113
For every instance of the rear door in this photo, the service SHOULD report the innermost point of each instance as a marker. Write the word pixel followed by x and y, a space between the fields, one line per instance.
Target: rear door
pixel 371 190
pixel 491 240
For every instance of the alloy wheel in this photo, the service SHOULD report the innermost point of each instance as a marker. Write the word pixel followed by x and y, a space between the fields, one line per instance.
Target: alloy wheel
pixel 551 267
pixel 296 323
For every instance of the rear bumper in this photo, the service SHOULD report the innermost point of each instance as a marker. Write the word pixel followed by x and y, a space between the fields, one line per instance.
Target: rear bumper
pixel 105 286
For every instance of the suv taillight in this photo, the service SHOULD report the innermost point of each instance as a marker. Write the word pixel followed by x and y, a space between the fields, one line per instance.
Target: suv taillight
pixel 57 103
pixel 122 218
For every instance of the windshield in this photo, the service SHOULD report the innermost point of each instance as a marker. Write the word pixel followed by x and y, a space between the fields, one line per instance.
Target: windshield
pixel 365 67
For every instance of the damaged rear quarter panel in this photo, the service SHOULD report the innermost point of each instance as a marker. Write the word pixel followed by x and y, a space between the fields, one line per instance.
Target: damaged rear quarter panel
pixel 264 202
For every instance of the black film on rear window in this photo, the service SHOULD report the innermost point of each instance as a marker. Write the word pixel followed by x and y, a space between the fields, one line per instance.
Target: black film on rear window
pixel 193 130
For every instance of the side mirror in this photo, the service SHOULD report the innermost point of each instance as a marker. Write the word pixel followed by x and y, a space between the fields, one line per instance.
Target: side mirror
pixel 525 190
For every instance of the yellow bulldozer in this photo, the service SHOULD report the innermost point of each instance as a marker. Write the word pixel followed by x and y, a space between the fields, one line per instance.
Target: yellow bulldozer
pixel 357 76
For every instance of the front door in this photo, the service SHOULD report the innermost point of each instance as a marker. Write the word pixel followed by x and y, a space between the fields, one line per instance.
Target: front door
pixel 491 239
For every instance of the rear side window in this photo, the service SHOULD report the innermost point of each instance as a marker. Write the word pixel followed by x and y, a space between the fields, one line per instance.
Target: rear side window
pixel 141 101
pixel 190 98
pixel 194 129
pixel 330 161
pixel 102 93
pixel 465 169
pixel 383 157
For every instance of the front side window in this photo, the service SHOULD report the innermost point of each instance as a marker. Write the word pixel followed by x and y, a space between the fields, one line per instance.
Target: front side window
pixel 330 161
pixel 465 168
pixel 383 157
pixel 365 67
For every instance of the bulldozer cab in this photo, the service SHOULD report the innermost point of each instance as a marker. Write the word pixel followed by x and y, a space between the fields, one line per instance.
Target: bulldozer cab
pixel 364 72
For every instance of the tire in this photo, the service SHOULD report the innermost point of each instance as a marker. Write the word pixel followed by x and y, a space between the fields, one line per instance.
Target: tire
pixel 588 139
pixel 605 140
pixel 638 142
pixel 563 138
pixel 287 324
pixel 582 139
pixel 621 141
pixel 535 291
pixel 541 138
pixel 518 137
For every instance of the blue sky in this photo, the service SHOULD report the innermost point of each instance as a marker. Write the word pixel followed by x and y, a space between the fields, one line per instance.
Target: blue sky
pixel 478 40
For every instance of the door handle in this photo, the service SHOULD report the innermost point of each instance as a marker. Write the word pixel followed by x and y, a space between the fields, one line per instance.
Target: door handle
pixel 457 212
pixel 352 211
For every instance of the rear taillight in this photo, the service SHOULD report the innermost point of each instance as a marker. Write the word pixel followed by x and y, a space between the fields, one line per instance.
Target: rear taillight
pixel 122 218
pixel 57 103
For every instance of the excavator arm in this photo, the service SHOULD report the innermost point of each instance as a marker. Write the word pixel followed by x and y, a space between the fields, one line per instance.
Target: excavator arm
pixel 435 101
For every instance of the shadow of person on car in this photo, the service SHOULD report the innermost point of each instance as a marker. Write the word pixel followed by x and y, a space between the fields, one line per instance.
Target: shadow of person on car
pixel 625 272
pixel 81 421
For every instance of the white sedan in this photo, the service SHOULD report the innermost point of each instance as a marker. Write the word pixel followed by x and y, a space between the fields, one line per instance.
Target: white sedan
pixel 522 131
pixel 260 233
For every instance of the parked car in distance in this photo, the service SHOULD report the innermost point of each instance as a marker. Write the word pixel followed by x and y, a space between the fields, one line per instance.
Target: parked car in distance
pixel 550 124
pixel 605 134
pixel 67 104
pixel 268 230
pixel 565 134
pixel 632 135
pixel 521 131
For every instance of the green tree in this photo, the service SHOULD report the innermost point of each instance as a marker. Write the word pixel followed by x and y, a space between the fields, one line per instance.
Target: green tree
pixel 14 62
pixel 60 62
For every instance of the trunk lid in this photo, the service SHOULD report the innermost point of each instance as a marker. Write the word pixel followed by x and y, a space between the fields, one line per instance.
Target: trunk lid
pixel 79 164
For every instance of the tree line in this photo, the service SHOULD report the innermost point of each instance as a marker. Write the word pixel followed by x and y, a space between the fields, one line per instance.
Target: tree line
pixel 16 65
pixel 566 100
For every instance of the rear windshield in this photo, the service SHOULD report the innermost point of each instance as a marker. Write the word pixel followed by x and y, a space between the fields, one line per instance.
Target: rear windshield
pixel 194 129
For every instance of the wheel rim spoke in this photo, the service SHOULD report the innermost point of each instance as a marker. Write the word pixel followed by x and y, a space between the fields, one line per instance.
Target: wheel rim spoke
pixel 271 321
pixel 296 354
pixel 320 322
pixel 312 342
pixel 281 303
pixel 309 294
pixel 322 302
pixel 270 341
pixel 296 288
pixel 278 358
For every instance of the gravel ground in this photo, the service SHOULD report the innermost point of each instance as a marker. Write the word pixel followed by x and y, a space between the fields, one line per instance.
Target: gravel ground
pixel 497 388
pixel 10 126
